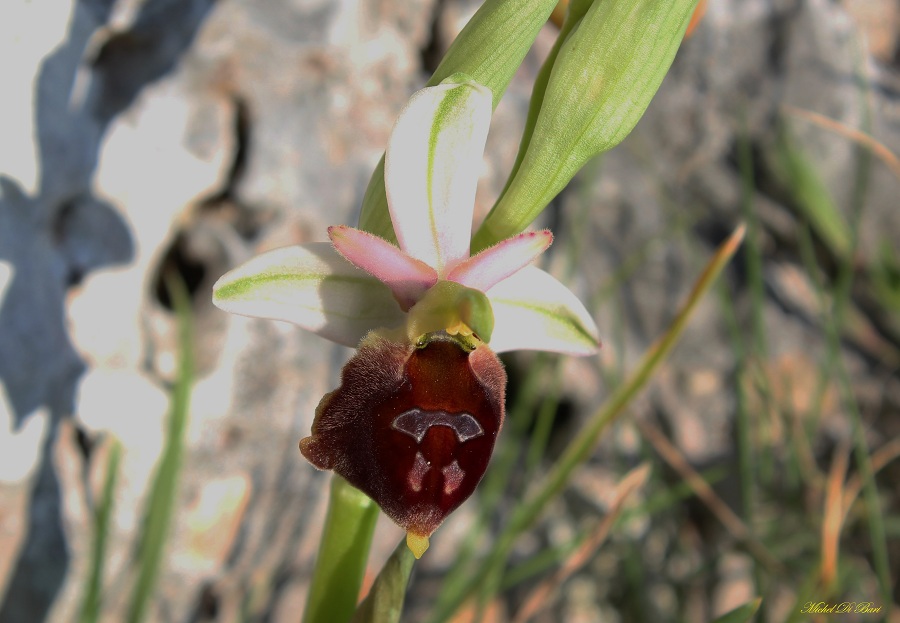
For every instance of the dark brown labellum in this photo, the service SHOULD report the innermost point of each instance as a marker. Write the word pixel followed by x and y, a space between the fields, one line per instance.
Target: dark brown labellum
pixel 412 426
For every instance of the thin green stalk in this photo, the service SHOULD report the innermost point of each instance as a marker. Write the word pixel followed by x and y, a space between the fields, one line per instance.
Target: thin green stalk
pixel 637 582
pixel 741 614
pixel 579 450
pixel 540 436
pixel 384 603
pixel 544 560
pixel 343 552
pixel 834 317
pixel 870 490
pixel 553 556
pixel 746 451
pixel 805 593
pixel 542 423
pixel 161 501
pixel 581 447
pixel 496 480
pixel 93 593
pixel 874 516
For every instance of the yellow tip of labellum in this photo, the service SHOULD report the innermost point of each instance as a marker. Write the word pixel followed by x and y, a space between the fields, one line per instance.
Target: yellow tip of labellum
pixel 417 544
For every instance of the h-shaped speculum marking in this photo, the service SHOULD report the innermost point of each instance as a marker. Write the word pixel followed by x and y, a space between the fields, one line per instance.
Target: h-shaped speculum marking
pixel 417 422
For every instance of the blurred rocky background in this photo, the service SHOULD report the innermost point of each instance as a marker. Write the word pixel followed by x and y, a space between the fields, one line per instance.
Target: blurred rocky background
pixel 143 137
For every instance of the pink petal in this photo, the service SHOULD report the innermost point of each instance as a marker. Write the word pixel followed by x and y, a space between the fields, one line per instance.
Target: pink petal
pixel 407 277
pixel 498 262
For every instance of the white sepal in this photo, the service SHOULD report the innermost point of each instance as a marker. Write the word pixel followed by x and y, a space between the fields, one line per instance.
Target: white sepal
pixel 534 311
pixel 431 170
pixel 312 286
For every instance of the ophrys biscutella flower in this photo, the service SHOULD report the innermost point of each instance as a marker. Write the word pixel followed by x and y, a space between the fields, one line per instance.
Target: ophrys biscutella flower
pixel 414 420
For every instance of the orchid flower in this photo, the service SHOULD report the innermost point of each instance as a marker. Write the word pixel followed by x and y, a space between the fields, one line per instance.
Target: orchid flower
pixel 420 404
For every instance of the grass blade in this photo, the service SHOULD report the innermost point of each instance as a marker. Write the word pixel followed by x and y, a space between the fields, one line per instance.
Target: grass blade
pixel 859 137
pixel 741 614
pixel 735 526
pixel 93 593
pixel 812 197
pixel 542 597
pixel 161 501
pixel 488 576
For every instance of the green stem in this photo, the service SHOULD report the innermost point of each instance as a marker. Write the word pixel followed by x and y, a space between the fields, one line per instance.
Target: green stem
pixel 384 603
pixel 161 501
pixel 93 594
pixel 343 552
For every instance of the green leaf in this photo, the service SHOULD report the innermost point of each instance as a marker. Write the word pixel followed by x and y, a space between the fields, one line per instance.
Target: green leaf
pixel 492 45
pixel 343 552
pixel 384 603
pixel 489 49
pixel 741 614
pixel 576 10
pixel 886 276
pixel 606 73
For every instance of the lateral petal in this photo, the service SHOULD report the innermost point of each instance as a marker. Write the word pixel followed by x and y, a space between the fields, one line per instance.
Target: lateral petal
pixel 534 311
pixel 498 262
pixel 431 170
pixel 312 286
pixel 407 277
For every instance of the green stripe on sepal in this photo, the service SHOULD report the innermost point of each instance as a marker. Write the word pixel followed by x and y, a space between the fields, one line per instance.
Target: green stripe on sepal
pixel 313 287
pixel 602 81
pixel 534 311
